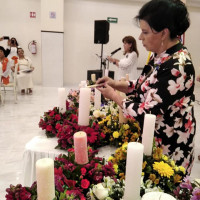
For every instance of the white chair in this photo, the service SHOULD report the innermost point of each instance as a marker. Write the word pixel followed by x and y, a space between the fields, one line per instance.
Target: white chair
pixel 1 95
pixel 12 84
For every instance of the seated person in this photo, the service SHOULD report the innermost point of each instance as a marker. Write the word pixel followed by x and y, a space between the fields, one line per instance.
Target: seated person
pixel 24 75
pixel 5 66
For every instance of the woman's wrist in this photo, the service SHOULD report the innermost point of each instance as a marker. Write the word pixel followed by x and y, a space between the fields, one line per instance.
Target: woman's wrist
pixel 117 98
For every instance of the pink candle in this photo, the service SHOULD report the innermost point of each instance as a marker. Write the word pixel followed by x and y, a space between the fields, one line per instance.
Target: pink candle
pixel 80 148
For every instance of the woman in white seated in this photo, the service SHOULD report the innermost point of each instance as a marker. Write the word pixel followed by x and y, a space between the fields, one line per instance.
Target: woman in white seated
pixel 24 75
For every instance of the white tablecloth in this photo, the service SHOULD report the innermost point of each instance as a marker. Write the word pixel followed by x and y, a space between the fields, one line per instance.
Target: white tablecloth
pixel 43 147
pixel 37 148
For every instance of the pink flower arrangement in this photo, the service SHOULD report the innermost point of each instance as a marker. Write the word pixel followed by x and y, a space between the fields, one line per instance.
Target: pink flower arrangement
pixel 188 189
pixel 70 176
pixel 69 127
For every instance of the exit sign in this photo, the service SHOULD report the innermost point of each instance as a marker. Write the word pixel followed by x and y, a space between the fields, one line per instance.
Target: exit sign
pixel 112 19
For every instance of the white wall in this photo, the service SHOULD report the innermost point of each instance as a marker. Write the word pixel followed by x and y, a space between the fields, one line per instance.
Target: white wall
pixel 49 23
pixel 16 22
pixel 79 47
pixel 80 50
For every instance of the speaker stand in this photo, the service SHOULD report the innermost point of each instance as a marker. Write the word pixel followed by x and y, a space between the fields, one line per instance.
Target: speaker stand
pixel 101 57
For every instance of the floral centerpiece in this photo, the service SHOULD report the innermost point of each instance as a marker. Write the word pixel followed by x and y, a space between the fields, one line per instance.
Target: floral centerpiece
pixel 104 128
pixel 72 181
pixel 159 172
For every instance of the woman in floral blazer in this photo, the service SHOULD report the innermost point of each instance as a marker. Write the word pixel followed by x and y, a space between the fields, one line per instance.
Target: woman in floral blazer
pixel 165 87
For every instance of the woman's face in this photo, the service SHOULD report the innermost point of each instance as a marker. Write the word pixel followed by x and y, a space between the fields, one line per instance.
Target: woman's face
pixel 151 39
pixel 20 52
pixel 2 54
pixel 127 47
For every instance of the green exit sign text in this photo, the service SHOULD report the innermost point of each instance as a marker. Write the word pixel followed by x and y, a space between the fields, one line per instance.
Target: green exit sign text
pixel 112 19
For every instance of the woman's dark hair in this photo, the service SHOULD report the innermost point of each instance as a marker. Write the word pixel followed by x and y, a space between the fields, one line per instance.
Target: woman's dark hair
pixel 131 40
pixel 13 40
pixel 4 51
pixel 161 14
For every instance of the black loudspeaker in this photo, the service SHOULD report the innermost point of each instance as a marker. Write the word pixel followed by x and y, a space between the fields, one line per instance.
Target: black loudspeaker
pixel 101 31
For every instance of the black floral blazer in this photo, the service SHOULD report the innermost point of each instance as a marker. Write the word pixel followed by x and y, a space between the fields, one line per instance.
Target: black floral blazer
pixel 165 88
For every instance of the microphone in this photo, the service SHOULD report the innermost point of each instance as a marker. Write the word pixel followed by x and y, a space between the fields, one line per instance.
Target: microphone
pixel 115 51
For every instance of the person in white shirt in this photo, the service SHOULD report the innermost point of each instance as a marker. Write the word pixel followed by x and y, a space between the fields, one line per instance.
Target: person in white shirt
pixel 24 75
pixel 128 64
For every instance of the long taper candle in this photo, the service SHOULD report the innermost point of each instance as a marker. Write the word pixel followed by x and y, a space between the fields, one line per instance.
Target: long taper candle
pixel 97 99
pixel 133 174
pixel 84 106
pixel 62 96
pixel 148 133
pixel 45 179
pixel 80 147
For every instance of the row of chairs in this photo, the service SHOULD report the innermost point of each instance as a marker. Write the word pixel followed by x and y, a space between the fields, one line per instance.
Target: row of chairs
pixel 12 85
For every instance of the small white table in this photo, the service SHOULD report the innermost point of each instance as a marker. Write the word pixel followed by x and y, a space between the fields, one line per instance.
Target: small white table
pixel 43 147
pixel 37 148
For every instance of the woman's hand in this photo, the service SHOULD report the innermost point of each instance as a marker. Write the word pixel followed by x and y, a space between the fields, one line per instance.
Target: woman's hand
pixel 106 80
pixel 110 59
pixel 109 93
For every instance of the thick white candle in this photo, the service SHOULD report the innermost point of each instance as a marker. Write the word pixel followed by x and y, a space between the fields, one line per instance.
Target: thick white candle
pixel 133 174
pixel 62 96
pixel 97 99
pixel 45 179
pixel 93 77
pixel 157 196
pixel 80 147
pixel 84 106
pixel 148 133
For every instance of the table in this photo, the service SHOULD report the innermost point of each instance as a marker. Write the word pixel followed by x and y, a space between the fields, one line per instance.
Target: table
pixel 37 148
pixel 43 147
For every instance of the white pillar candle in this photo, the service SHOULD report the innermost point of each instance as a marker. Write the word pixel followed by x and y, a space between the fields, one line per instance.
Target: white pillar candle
pixel 133 174
pixel 93 77
pixel 157 196
pixel 84 106
pixel 62 96
pixel 80 147
pixel 148 133
pixel 45 179
pixel 97 99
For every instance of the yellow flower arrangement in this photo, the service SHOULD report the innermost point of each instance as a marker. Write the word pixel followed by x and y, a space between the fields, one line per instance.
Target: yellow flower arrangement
pixel 116 134
pixel 163 169
pixel 158 170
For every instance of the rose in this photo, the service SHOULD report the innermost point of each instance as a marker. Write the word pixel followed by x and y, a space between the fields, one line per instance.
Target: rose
pixel 85 183
pixel 96 113
pixel 58 126
pixel 100 192
pixel 83 171
pixel 49 128
pixel 51 113
pixel 57 117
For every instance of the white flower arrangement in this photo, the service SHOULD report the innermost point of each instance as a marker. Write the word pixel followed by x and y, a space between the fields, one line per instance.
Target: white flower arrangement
pixel 107 190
